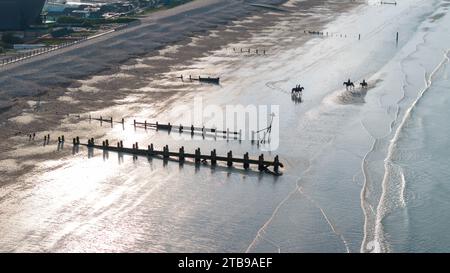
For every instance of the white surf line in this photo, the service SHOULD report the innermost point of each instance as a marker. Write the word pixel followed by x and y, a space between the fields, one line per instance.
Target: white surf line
pixel 363 194
pixel 391 128
pixel 388 161
pixel 333 229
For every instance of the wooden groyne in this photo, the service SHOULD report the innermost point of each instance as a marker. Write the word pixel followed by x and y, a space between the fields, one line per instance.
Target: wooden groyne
pixel 188 129
pixel 203 131
pixel 181 155
pixel 257 51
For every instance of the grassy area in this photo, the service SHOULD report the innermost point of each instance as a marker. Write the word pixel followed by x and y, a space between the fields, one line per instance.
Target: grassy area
pixel 50 42
pixel 68 20
pixel 163 7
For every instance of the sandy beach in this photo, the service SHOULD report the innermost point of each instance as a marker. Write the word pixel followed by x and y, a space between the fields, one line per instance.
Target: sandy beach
pixel 345 172
pixel 40 93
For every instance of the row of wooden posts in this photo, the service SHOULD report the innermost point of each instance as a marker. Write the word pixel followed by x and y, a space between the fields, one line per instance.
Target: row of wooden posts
pixel 182 129
pixel 321 33
pixel 181 155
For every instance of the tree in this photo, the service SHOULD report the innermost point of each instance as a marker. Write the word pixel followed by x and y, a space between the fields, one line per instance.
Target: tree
pixel 10 38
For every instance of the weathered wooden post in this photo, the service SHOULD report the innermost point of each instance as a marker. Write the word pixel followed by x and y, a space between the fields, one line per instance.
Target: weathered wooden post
pixel 180 128
pixel 78 140
pixel 253 137
pixel 203 131
pixel 192 129
pixel 396 39
pixel 240 135
pixel 74 141
pixel 170 127
pixel 197 156
pixel 246 161
pixel 145 125
pixel 276 165
pixel 134 122
pixel 181 154
pixel 137 146
pixel 157 126
pixel 230 159
pixel 213 157
pixel 134 146
pixel 103 144
pixel 101 119
pixel 121 144
pixel 166 152
pixel 62 138
pixel 107 143
pixel 123 121
pixel 228 133
pixel 111 120
pixel 59 139
pixel 261 163
pixel 150 150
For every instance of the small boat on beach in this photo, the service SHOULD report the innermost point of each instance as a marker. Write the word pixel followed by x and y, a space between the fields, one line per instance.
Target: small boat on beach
pixel 209 80
pixel 202 79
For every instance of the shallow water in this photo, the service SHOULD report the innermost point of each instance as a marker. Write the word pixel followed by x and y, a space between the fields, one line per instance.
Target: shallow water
pixel 422 154
pixel 331 197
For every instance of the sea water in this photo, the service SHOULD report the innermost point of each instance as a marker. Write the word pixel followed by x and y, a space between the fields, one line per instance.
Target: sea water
pixel 363 176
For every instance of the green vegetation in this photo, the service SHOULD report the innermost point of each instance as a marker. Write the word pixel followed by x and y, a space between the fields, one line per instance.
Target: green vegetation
pixel 167 5
pixel 61 32
pixel 174 3
pixel 50 42
pixel 84 22
pixel 9 39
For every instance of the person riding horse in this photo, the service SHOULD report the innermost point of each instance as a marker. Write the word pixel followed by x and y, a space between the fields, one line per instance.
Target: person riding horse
pixel 297 89
pixel 364 84
pixel 349 84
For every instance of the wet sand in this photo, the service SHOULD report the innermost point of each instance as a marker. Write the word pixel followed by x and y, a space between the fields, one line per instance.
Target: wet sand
pixel 73 202
pixel 49 90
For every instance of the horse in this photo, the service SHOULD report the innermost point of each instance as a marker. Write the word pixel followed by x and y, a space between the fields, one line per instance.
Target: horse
pixel 349 84
pixel 296 94
pixel 297 89
pixel 297 97
pixel 364 84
